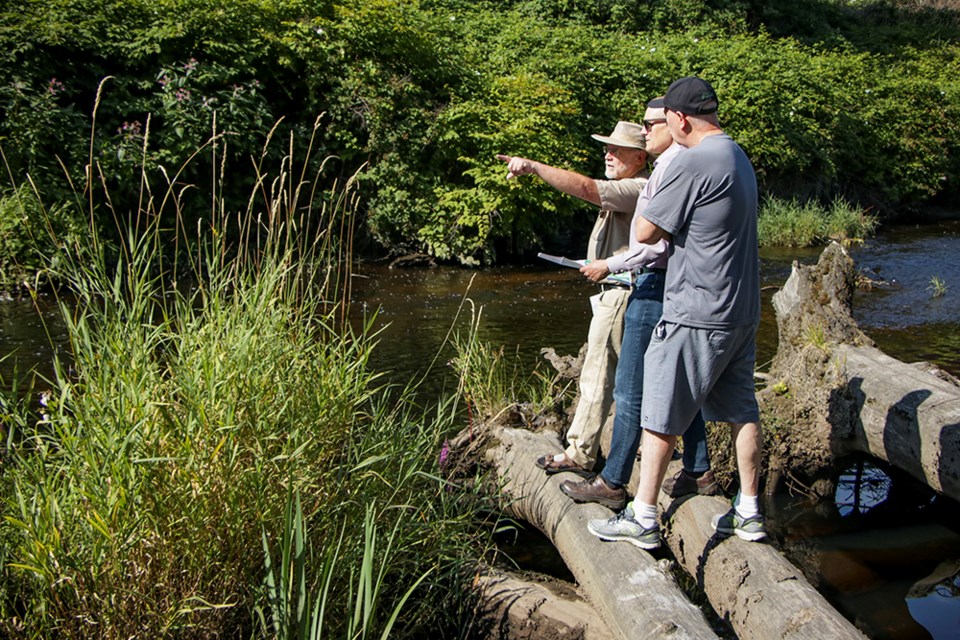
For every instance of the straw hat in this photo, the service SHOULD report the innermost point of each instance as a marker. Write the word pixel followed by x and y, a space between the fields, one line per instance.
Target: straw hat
pixel 625 134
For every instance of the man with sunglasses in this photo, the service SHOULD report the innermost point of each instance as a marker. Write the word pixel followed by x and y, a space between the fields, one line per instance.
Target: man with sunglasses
pixel 704 346
pixel 644 309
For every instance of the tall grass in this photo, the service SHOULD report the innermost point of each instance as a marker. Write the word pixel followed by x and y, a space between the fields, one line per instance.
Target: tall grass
pixel 492 382
pixel 216 457
pixel 791 223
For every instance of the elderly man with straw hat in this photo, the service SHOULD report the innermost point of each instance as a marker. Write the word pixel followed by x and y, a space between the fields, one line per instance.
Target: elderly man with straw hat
pixel 625 160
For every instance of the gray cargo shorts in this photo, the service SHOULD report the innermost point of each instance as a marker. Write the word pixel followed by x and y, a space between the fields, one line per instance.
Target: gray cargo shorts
pixel 687 369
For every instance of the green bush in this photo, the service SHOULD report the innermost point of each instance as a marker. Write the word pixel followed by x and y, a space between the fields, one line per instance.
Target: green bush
pixel 420 95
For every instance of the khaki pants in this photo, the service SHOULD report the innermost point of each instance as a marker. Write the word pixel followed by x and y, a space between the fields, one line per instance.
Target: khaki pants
pixel 597 376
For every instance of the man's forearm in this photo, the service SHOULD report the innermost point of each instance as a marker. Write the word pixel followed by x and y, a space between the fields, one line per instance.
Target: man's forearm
pixel 569 182
pixel 647 232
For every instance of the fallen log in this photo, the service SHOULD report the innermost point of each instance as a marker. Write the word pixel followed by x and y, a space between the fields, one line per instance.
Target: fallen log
pixel 831 392
pixel 634 594
pixel 519 609
pixel 903 415
pixel 750 585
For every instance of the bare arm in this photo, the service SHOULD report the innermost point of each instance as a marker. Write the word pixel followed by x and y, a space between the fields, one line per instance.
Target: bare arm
pixel 569 182
pixel 649 233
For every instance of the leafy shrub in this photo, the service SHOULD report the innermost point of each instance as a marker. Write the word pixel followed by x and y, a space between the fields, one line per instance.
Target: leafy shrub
pixel 419 96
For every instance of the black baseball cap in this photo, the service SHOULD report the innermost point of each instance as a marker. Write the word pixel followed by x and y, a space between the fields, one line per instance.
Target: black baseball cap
pixel 691 95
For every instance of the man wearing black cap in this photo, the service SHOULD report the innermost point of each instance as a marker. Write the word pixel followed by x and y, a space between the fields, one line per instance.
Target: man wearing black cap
pixel 704 346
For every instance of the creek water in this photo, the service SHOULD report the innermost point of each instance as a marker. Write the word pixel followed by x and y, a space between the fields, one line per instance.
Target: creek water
pixel 885 552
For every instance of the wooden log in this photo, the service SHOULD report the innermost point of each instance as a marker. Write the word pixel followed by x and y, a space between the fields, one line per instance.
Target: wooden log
pixel 750 585
pixel 903 415
pixel 634 594
pixel 520 609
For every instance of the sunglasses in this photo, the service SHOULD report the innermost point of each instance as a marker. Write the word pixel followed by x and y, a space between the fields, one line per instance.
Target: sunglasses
pixel 649 123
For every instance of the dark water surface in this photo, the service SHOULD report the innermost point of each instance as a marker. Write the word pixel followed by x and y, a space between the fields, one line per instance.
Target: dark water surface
pixel 540 305
pixel 886 552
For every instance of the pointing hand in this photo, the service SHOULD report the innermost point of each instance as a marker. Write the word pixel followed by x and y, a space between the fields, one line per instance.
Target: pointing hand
pixel 516 166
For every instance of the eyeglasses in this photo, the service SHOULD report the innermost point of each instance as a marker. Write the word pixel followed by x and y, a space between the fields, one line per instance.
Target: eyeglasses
pixel 649 123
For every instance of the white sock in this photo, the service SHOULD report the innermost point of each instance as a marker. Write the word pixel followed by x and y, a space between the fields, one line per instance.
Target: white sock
pixel 747 506
pixel 645 514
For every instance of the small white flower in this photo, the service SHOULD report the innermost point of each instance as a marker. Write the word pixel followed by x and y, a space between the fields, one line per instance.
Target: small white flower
pixel 696 39
pixel 652 49
pixel 319 31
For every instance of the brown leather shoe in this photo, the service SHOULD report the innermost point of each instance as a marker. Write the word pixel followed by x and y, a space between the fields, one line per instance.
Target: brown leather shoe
pixel 682 483
pixel 595 490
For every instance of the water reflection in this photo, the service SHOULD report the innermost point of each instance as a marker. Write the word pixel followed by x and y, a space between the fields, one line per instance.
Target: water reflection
pixel 934 601
pixel 885 552
pixel 860 488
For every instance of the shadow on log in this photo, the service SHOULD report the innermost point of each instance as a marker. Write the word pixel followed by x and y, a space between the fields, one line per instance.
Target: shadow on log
pixel 831 392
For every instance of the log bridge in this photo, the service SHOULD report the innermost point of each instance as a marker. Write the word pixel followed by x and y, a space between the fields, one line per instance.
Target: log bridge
pixel 840 394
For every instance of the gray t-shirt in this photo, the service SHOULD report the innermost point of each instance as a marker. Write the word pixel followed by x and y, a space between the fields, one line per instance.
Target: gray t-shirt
pixel 708 203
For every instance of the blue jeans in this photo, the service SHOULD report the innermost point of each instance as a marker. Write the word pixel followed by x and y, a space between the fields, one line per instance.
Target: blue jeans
pixel 644 309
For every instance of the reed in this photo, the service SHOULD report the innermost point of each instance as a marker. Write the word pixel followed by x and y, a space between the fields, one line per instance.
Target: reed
pixel 792 223
pixel 216 457
pixel 937 287
pixel 492 381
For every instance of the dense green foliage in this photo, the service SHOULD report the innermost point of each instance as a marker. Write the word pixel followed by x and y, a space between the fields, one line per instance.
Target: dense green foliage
pixel 828 98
